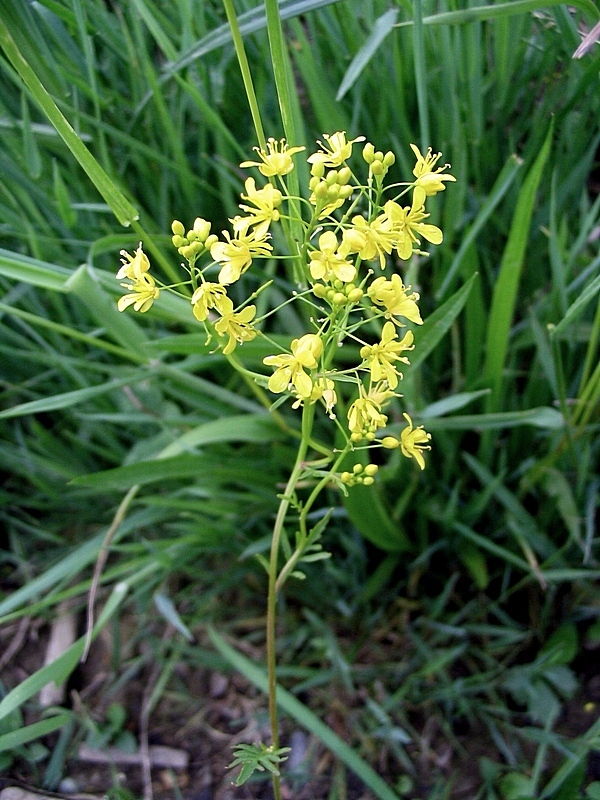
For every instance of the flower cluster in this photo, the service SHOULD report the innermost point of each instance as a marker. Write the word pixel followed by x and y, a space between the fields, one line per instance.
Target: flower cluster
pixel 350 229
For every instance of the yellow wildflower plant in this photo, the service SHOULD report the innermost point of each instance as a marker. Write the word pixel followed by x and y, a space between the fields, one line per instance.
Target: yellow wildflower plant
pixel 365 417
pixel 407 223
pixel 133 266
pixel 207 296
pixel 236 325
pixel 412 442
pixel 429 180
pixel 143 288
pixel 277 160
pixel 235 254
pixel 393 295
pixel 263 211
pixel 336 151
pixel 379 358
pixel 327 264
pixel 289 374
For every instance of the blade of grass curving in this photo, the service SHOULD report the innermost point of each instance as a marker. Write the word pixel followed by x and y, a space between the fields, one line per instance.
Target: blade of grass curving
pixel 435 327
pixel 68 399
pixel 9 741
pixel 507 284
pixel 421 74
pixel 60 669
pixel 121 207
pixel 303 716
pixel 502 184
pixel 487 12
pixel 381 30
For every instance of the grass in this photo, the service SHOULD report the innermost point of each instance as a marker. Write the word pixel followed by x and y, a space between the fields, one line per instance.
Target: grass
pixel 453 595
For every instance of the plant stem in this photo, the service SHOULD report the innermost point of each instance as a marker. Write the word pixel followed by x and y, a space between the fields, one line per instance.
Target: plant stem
pixel 307 420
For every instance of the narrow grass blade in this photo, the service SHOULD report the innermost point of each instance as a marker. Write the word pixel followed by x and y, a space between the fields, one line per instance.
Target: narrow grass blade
pixel 60 669
pixel 382 28
pixel 507 284
pixel 121 207
pixel 31 732
pixel 437 325
pixel 305 717
pixel 502 184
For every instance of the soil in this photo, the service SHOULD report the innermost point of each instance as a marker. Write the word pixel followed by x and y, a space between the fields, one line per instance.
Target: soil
pixel 202 713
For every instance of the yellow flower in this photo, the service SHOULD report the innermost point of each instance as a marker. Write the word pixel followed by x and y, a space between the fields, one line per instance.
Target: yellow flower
pixel 235 255
pixel 393 296
pixel 327 264
pixel 207 296
pixel 266 202
pixel 235 324
pixel 339 150
pixel 290 372
pixel 144 292
pixel 413 441
pixel 133 266
pixel 380 358
pixel 276 161
pixel 365 417
pixel 429 180
pixel 370 240
pixel 407 222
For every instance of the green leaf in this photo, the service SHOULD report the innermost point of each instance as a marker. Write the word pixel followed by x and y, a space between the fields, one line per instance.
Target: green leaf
pixel 9 741
pixel 382 28
pixel 507 284
pixel 303 716
pixel 121 207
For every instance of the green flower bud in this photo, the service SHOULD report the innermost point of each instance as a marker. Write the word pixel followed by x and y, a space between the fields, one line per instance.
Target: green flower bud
pixel 357 469
pixel 188 252
pixel 319 290
pixel 191 236
pixel 390 442
pixel 318 169
pixel 389 159
pixel 338 299
pixel 332 177
pixel 355 295
pixel 378 156
pixel 201 228
pixel 211 240
pixel 368 481
pixel 178 241
pixel 345 192
pixel 377 168
pixel 177 228
pixel 344 175
pixel 356 437
pixel 347 478
pixel 371 470
pixel 368 153
pixel 321 190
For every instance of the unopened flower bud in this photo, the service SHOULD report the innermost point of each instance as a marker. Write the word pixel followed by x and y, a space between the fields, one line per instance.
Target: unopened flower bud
pixel 178 241
pixel 201 228
pixel 368 153
pixel 318 169
pixel 177 228
pixel 344 192
pixel 191 236
pixel 357 469
pixel 377 168
pixel 344 175
pixel 331 177
pixel 390 442
pixel 338 299
pixel 389 159
pixel 355 295
pixel 368 481
pixel 321 190
pixel 371 470
pixel 188 252
pixel 319 290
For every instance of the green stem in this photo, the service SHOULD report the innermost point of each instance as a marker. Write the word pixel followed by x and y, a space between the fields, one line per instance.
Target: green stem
pixel 297 554
pixel 307 421
pixel 238 43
